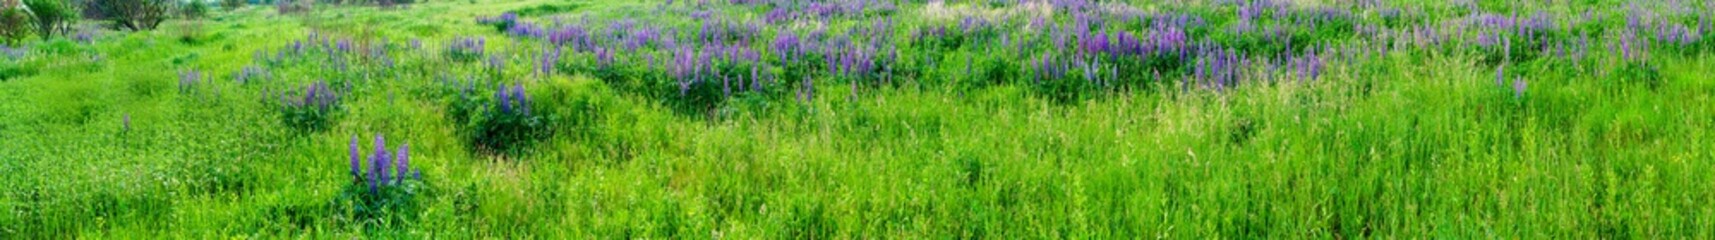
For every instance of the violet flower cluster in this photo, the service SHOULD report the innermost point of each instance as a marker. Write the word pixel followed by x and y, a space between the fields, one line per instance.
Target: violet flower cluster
pixel 385 169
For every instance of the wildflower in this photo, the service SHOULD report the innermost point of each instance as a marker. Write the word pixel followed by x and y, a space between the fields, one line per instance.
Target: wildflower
pixel 356 162
pixel 1518 88
pixel 500 95
pixel 188 79
pixel 404 157
pixel 1500 77
pixel 382 163
pixel 518 95
pixel 496 63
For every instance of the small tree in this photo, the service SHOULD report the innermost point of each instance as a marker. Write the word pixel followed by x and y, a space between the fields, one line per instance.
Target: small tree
pixel 130 14
pixel 14 22
pixel 231 5
pixel 52 16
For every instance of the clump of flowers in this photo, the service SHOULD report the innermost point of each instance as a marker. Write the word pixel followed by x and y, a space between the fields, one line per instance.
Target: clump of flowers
pixel 313 108
pixel 498 118
pixel 504 122
pixel 466 49
pixel 251 73
pixel 503 22
pixel 13 53
pixel 382 181
pixel 385 169
pixel 188 81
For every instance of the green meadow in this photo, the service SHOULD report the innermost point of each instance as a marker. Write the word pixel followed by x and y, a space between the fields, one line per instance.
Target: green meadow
pixel 1391 136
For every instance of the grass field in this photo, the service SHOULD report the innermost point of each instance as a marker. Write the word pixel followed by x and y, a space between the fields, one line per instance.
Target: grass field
pixel 872 119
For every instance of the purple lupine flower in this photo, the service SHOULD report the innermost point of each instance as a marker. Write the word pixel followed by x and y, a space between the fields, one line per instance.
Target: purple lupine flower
pixel 527 29
pixel 404 162
pixel 1518 88
pixel 188 79
pixel 504 98
pixel 755 83
pixel 356 162
pixel 1500 75
pixel 603 57
pixel 726 86
pixel 809 90
pixel 383 161
pixel 549 59
pixel 344 45
pixel 252 72
pixel 374 176
pixel 85 36
pixel 518 95
pixel 496 63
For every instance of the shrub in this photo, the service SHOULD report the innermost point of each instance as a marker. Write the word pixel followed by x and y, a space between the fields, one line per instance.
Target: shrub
pixel 194 9
pixel 312 109
pixel 135 15
pixel 190 33
pixel 12 63
pixel 13 26
pixel 507 124
pixel 52 16
pixel 502 122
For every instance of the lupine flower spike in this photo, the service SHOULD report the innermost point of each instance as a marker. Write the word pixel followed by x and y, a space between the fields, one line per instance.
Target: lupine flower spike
pixel 356 160
pixel 404 163
pixel 1519 86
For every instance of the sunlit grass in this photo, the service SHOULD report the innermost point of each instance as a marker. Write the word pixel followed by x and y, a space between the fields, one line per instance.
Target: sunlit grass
pixel 1412 144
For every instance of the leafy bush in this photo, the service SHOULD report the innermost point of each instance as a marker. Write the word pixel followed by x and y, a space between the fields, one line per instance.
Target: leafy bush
pixel 190 33
pixel 52 16
pixel 507 123
pixel 135 15
pixel 194 9
pixel 13 26
pixel 502 121
pixel 12 64
pixel 312 109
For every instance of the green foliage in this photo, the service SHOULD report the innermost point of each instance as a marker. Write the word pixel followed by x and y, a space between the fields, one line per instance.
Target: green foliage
pixel 231 5
pixel 14 26
pixel 315 108
pixel 496 118
pixel 53 17
pixel 549 9
pixel 11 69
pixel 395 203
pixel 1408 144
pixel 193 9
pixel 136 15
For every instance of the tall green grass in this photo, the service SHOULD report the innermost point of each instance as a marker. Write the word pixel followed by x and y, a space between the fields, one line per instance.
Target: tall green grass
pixel 1409 146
